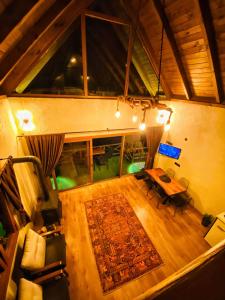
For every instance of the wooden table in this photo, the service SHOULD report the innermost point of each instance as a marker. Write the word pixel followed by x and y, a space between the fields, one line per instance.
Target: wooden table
pixel 171 188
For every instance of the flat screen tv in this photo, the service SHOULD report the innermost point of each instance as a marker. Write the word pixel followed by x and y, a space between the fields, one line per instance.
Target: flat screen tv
pixel 169 150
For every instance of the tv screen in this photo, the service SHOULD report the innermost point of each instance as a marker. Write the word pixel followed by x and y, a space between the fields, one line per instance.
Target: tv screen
pixel 169 150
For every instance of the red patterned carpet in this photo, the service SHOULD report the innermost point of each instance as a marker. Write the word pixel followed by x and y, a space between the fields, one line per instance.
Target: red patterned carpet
pixel 123 251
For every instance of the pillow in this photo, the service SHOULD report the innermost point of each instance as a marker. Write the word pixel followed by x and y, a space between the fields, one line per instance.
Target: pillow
pixel 29 290
pixel 34 251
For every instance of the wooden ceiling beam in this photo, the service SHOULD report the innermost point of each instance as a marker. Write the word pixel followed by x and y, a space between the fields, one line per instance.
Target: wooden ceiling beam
pixel 209 35
pixel 17 33
pixel 55 30
pixel 146 44
pixel 104 17
pixel 172 42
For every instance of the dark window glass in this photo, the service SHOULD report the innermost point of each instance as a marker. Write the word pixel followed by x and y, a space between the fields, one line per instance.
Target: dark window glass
pixel 106 57
pixel 62 74
pixel 112 8
pixel 142 80
pixel 73 168
pixel 135 152
pixel 106 157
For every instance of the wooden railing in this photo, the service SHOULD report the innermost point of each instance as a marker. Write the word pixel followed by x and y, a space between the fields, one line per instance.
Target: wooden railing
pixel 203 278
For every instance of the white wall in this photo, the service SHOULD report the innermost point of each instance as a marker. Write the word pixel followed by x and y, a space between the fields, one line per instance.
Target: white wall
pixel 10 146
pixel 68 115
pixel 202 159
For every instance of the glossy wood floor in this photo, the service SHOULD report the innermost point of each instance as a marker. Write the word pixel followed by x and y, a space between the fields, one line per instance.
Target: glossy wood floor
pixel 178 239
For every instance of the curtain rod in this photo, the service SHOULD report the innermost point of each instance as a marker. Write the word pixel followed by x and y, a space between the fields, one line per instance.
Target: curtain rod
pixel 77 132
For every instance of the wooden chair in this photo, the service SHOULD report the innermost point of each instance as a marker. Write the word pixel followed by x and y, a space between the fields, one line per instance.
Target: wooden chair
pixel 170 172
pixel 55 256
pixel 53 286
pixel 184 182
pixel 180 201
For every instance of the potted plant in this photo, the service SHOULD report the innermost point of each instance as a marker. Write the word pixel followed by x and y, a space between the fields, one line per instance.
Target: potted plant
pixel 207 219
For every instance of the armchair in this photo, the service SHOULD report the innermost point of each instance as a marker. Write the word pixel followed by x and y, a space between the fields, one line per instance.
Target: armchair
pixel 43 253
pixel 53 286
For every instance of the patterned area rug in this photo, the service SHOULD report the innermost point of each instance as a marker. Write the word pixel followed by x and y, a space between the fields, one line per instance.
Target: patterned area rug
pixel 123 251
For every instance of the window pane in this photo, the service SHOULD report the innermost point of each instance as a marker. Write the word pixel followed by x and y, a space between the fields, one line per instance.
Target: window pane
pixel 135 152
pixel 143 80
pixel 73 167
pixel 106 57
pixel 113 8
pixel 62 74
pixel 106 157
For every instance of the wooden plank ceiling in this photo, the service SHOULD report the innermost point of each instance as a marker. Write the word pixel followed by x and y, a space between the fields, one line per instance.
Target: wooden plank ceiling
pixel 193 61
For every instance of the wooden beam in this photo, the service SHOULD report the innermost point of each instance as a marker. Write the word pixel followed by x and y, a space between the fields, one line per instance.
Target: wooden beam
pixel 172 42
pixel 209 35
pixel 84 53
pixel 129 56
pixel 121 156
pixel 15 53
pixel 146 44
pixel 53 32
pixel 41 63
pixel 16 34
pixel 104 17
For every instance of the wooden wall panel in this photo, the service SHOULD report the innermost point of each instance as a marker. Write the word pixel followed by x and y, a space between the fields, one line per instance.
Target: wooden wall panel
pixel 217 8
pixel 152 27
pixel 185 23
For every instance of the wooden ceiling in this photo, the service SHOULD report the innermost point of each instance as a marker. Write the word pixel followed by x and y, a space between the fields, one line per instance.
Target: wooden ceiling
pixel 193 61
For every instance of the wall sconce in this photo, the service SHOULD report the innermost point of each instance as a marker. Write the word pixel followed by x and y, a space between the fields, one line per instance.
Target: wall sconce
pixel 163 116
pixel 117 113
pixel 25 118
pixel 142 125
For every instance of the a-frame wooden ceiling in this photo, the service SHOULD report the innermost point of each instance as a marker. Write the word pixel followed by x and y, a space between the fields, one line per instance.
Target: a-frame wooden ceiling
pixel 193 61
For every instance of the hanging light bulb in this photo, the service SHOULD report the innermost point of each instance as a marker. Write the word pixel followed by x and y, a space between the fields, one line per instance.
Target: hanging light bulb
pixel 142 125
pixel 117 113
pixel 167 125
pixel 134 118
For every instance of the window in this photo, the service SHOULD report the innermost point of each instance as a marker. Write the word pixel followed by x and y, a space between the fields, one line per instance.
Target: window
pixel 98 48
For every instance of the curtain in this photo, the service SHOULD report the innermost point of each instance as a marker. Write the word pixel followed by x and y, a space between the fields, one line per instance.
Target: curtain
pixel 10 191
pixel 47 148
pixel 153 136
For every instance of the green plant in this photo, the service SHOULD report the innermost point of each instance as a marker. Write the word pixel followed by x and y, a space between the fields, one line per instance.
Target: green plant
pixel 207 219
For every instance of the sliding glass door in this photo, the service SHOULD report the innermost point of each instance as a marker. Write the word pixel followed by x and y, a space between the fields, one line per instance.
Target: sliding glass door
pixel 134 155
pixel 73 169
pixel 106 158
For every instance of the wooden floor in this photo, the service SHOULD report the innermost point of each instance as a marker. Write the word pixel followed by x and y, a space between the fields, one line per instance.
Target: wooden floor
pixel 178 239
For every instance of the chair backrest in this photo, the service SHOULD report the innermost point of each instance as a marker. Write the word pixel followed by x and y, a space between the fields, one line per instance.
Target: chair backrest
pixel 170 173
pixel 184 182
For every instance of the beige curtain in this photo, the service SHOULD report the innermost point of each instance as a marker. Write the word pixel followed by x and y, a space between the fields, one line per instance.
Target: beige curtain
pixel 153 136
pixel 47 148
pixel 10 191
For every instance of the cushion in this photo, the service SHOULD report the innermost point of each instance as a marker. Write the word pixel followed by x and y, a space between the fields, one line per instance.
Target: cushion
pixel 34 251
pixel 29 290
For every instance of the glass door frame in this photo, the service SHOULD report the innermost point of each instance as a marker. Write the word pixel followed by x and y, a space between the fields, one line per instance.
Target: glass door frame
pixel 89 140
